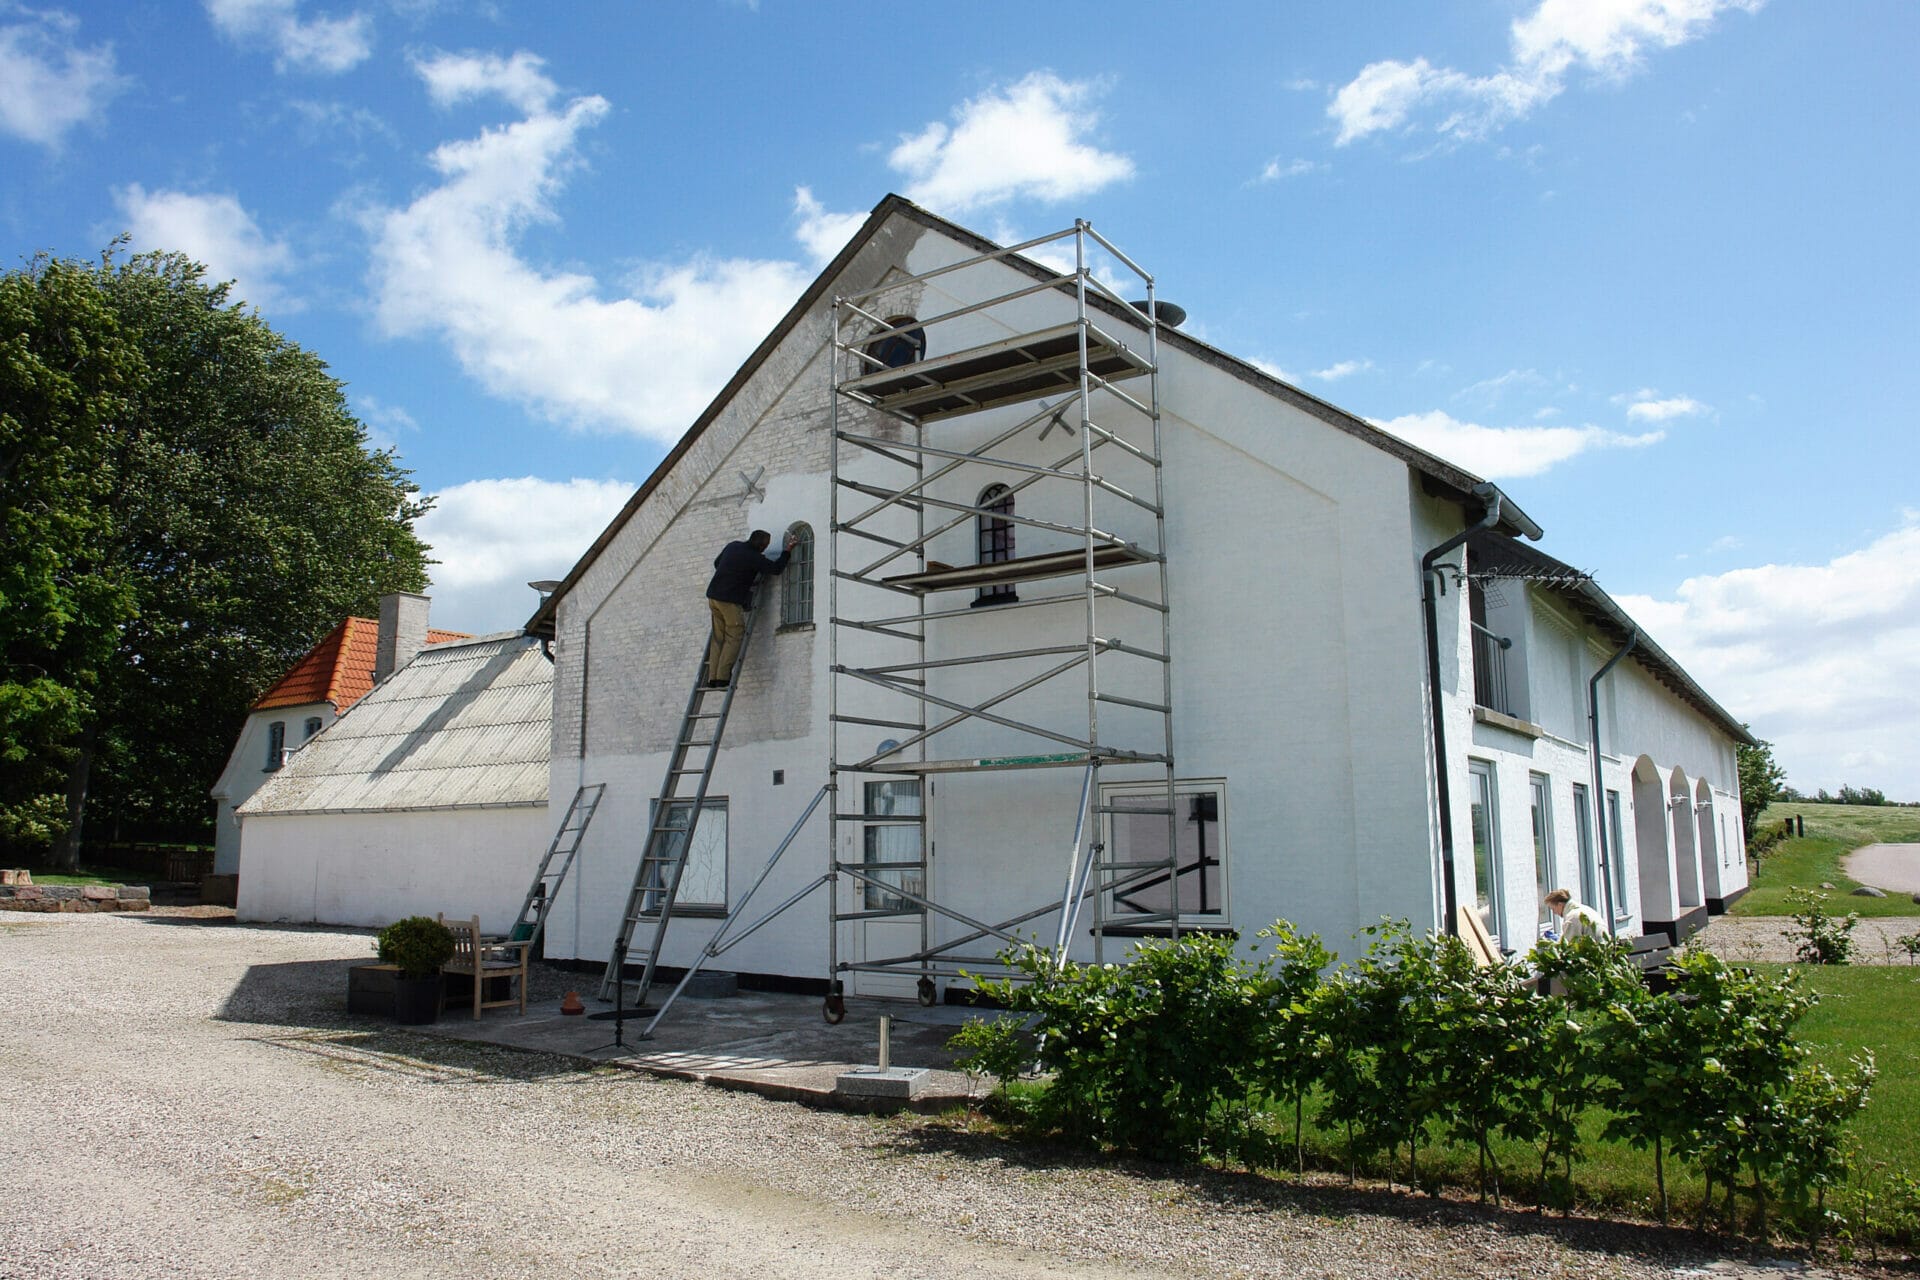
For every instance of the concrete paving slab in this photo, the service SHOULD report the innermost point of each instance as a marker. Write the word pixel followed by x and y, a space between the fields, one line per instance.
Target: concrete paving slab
pixel 767 1043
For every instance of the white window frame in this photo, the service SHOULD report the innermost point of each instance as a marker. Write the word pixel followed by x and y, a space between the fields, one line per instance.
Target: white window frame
pixel 705 850
pixel 1540 807
pixel 796 581
pixel 1489 807
pixel 1615 834
pixel 1218 916
pixel 1583 837
pixel 874 802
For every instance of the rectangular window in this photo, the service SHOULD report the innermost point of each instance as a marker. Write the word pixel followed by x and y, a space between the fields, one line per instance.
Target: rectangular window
pixel 276 745
pixel 1484 801
pixel 1617 856
pixel 703 881
pixel 1543 872
pixel 894 842
pixel 1583 832
pixel 1200 849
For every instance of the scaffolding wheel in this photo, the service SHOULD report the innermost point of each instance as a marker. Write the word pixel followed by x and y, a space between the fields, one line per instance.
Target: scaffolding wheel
pixel 926 992
pixel 834 1009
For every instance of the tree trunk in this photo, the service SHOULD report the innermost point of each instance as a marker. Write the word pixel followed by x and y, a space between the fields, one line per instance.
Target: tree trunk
pixel 1660 1180
pixel 66 850
pixel 1299 1153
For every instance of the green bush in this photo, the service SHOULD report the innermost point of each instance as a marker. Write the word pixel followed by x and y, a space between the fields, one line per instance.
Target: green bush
pixel 999 1048
pixel 417 944
pixel 1143 1055
pixel 1824 938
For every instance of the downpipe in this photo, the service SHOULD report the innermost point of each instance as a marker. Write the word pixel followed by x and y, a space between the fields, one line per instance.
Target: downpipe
pixel 1599 786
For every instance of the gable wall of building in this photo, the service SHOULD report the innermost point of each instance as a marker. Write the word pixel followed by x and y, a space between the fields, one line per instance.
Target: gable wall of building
pixel 1297 657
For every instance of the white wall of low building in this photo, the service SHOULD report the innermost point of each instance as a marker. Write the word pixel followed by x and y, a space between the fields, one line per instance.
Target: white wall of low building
pixel 370 869
pixel 248 767
pixel 1640 719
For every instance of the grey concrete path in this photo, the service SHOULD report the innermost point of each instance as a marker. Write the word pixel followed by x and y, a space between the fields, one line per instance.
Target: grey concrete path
pixel 1893 867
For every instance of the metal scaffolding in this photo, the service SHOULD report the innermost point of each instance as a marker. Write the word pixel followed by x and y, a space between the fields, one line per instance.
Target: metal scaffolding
pixel 916 429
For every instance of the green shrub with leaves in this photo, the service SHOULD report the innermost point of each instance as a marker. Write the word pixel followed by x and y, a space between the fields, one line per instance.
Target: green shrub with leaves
pixel 1586 977
pixel 1909 943
pixel 1824 937
pixel 417 944
pixel 1145 1056
pixel 998 1048
pixel 1290 1044
pixel 1487 1053
pixel 1380 1018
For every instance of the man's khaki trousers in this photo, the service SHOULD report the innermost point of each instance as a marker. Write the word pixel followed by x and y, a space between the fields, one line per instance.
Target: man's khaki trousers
pixel 729 629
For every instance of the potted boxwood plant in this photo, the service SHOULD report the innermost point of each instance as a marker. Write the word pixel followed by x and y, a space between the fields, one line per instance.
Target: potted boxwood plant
pixel 419 947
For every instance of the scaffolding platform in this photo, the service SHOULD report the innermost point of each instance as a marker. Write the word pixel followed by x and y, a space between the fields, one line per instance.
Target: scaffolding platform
pixel 1005 573
pixel 1046 362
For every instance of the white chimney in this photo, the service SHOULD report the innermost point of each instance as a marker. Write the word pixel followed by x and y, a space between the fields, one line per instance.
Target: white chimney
pixel 403 632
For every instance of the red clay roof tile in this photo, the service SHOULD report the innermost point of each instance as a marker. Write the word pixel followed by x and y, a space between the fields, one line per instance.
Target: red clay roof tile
pixel 339 669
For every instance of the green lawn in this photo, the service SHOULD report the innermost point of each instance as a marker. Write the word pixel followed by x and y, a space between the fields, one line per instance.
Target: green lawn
pixel 1833 831
pixel 91 875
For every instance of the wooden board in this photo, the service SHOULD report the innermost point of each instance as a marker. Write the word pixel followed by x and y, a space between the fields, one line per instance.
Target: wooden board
pixel 1474 933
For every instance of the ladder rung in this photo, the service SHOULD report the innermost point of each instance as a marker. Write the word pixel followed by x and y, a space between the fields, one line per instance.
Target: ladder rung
pixel 1136 866
pixel 878 915
pixel 873 819
pixel 1116 699
pixel 1148 917
pixel 1129 808
pixel 891 866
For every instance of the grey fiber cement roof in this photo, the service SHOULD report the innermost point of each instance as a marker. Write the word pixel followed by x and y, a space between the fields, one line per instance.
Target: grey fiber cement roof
pixel 464 725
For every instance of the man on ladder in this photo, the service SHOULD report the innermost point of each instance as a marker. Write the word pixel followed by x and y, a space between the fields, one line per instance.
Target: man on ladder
pixel 735 571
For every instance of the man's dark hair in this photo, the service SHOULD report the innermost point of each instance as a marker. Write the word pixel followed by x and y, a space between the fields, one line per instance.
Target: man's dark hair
pixel 760 539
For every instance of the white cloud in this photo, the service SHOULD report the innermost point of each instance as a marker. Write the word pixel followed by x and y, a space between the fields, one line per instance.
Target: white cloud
pixel 385 423
pixel 1343 369
pixel 323 44
pixel 216 231
pixel 1499 453
pixel 1821 659
pixel 1648 405
pixel 1277 169
pixel 48 83
pixel 1027 139
pixel 454 78
pixel 1607 38
pixel 448 264
pixel 822 234
pixel 1488 391
pixel 492 537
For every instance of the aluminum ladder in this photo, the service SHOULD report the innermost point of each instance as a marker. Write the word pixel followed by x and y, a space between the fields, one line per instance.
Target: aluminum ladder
pixel 675 813
pixel 532 920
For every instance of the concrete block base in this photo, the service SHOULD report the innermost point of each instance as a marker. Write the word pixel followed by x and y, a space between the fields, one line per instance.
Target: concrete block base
pixel 872 1082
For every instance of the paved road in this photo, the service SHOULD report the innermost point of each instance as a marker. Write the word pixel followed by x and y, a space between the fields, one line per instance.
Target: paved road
pixel 1893 867
pixel 186 1099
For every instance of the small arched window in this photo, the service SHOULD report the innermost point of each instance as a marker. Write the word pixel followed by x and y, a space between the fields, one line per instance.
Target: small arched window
pixel 995 539
pixel 896 349
pixel 276 745
pixel 312 727
pixel 796 584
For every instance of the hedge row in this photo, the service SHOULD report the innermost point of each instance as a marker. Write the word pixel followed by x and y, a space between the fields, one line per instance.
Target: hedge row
pixel 1414 1042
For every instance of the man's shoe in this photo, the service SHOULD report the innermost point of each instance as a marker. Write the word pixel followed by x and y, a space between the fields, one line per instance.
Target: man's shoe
pixel 716 684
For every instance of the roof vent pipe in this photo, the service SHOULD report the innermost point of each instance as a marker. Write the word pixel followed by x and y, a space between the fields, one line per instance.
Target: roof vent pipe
pixel 1170 314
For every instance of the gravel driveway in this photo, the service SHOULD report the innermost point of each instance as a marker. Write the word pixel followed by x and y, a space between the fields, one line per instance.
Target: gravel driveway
pixel 189 1098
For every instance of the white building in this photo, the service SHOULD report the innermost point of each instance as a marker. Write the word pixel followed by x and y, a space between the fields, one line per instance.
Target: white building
pixel 429 796
pixel 334 674
pixel 1302 740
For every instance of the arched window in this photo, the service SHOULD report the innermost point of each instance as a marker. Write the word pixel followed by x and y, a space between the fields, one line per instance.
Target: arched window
pixel 896 349
pixel 276 745
pixel 796 584
pixel 312 726
pixel 995 539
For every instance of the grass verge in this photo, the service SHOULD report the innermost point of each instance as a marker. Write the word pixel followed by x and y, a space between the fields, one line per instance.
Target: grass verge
pixel 1833 831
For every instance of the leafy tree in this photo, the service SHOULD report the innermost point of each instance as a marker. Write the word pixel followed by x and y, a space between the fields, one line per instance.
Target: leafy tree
pixel 1487 1033
pixel 1587 976
pixel 1761 782
pixel 1290 1042
pixel 232 509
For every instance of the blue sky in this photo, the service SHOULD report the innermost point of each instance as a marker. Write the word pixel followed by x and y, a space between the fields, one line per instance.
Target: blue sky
pixel 1648 263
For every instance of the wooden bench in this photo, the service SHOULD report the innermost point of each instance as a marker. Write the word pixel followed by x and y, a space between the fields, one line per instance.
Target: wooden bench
pixel 482 958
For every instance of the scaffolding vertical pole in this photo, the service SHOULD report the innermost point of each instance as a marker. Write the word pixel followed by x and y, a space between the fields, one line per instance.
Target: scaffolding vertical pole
pixel 833 661
pixel 926 782
pixel 1166 610
pixel 1087 586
